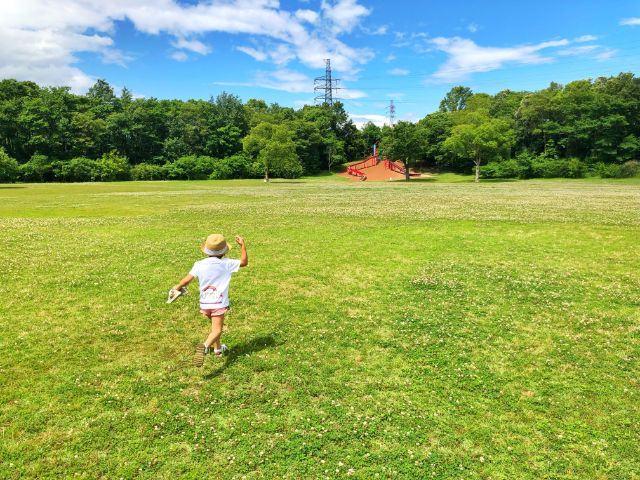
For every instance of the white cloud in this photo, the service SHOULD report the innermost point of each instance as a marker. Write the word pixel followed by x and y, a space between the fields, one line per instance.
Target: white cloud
pixel 286 80
pixel 575 51
pixel 586 38
pixel 472 27
pixel 390 58
pixel 399 72
pixel 361 119
pixel 191 45
pixel 116 57
pixel 598 52
pixel 179 56
pixel 46 56
pixel 466 57
pixel 252 52
pixel 606 54
pixel 344 14
pixel 314 51
pixel 349 94
pixel 307 16
pixel 282 54
pixel 633 22
pixel 282 79
pixel 381 30
pixel 39 39
pixel 291 81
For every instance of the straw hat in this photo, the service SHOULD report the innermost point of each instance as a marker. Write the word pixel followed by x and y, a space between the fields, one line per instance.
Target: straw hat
pixel 215 244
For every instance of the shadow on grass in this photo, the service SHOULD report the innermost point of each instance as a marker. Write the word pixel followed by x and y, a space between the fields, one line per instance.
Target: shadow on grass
pixel 11 186
pixel 247 348
pixel 499 180
pixel 421 179
pixel 463 180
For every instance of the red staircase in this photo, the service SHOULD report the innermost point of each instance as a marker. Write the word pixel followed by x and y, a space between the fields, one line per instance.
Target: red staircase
pixel 355 168
pixel 397 167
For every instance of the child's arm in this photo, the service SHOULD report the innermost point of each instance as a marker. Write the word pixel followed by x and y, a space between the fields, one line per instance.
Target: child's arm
pixel 244 258
pixel 184 282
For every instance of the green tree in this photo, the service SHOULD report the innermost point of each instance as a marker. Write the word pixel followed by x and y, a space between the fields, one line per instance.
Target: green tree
pixel 8 167
pixel 257 139
pixel 480 143
pixel 455 99
pixel 435 128
pixel 371 135
pixel 405 143
pixel 228 110
pixel 14 135
pixel 309 144
pixel 38 169
pixel 280 159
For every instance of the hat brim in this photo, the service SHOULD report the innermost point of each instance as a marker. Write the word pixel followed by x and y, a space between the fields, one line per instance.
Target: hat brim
pixel 213 253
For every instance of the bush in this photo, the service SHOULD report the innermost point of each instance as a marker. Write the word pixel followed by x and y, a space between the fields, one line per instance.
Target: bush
pixel 112 167
pixel 551 168
pixel 613 170
pixel 8 168
pixel 630 169
pixel 490 170
pixel 148 171
pixel 608 170
pixel 256 169
pixel 192 167
pixel 507 169
pixel 526 165
pixel 173 171
pixel 79 169
pixel 236 166
pixel 38 169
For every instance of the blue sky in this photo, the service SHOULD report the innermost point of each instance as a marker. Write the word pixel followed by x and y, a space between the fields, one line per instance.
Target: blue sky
pixel 410 51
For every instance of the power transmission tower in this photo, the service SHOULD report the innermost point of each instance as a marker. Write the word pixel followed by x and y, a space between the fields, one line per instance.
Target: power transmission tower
pixel 326 84
pixel 392 113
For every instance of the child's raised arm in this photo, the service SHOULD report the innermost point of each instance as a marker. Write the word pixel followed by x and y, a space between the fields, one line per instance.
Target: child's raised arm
pixel 184 282
pixel 244 258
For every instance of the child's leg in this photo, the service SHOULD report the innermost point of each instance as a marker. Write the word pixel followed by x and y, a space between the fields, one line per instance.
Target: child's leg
pixel 217 322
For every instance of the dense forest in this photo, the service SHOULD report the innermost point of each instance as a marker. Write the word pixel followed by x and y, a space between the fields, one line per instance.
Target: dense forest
pixel 587 127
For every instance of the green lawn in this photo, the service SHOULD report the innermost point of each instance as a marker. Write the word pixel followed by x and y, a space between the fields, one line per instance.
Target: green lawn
pixel 381 330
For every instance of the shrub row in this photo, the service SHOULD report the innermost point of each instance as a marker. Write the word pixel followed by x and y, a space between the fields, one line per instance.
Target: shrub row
pixel 112 167
pixel 529 166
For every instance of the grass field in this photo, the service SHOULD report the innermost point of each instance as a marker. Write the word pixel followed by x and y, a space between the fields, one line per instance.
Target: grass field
pixel 432 330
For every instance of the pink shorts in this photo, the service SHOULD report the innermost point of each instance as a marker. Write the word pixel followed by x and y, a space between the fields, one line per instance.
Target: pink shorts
pixel 214 312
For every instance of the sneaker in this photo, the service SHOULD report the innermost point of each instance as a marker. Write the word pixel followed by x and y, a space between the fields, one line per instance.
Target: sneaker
pixel 198 358
pixel 222 350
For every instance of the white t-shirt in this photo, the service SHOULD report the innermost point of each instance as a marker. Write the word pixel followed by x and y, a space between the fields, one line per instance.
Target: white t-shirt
pixel 214 277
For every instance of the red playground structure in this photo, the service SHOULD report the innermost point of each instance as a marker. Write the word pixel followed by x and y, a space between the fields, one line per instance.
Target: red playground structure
pixel 355 168
pixel 389 169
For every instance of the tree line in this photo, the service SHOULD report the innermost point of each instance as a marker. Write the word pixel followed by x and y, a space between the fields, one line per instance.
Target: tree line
pixel 587 127
pixel 51 134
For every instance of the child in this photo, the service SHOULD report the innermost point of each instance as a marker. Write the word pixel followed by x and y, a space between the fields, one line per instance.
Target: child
pixel 214 276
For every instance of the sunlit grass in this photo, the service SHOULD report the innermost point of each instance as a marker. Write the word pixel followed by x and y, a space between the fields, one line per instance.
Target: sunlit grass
pixel 382 330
